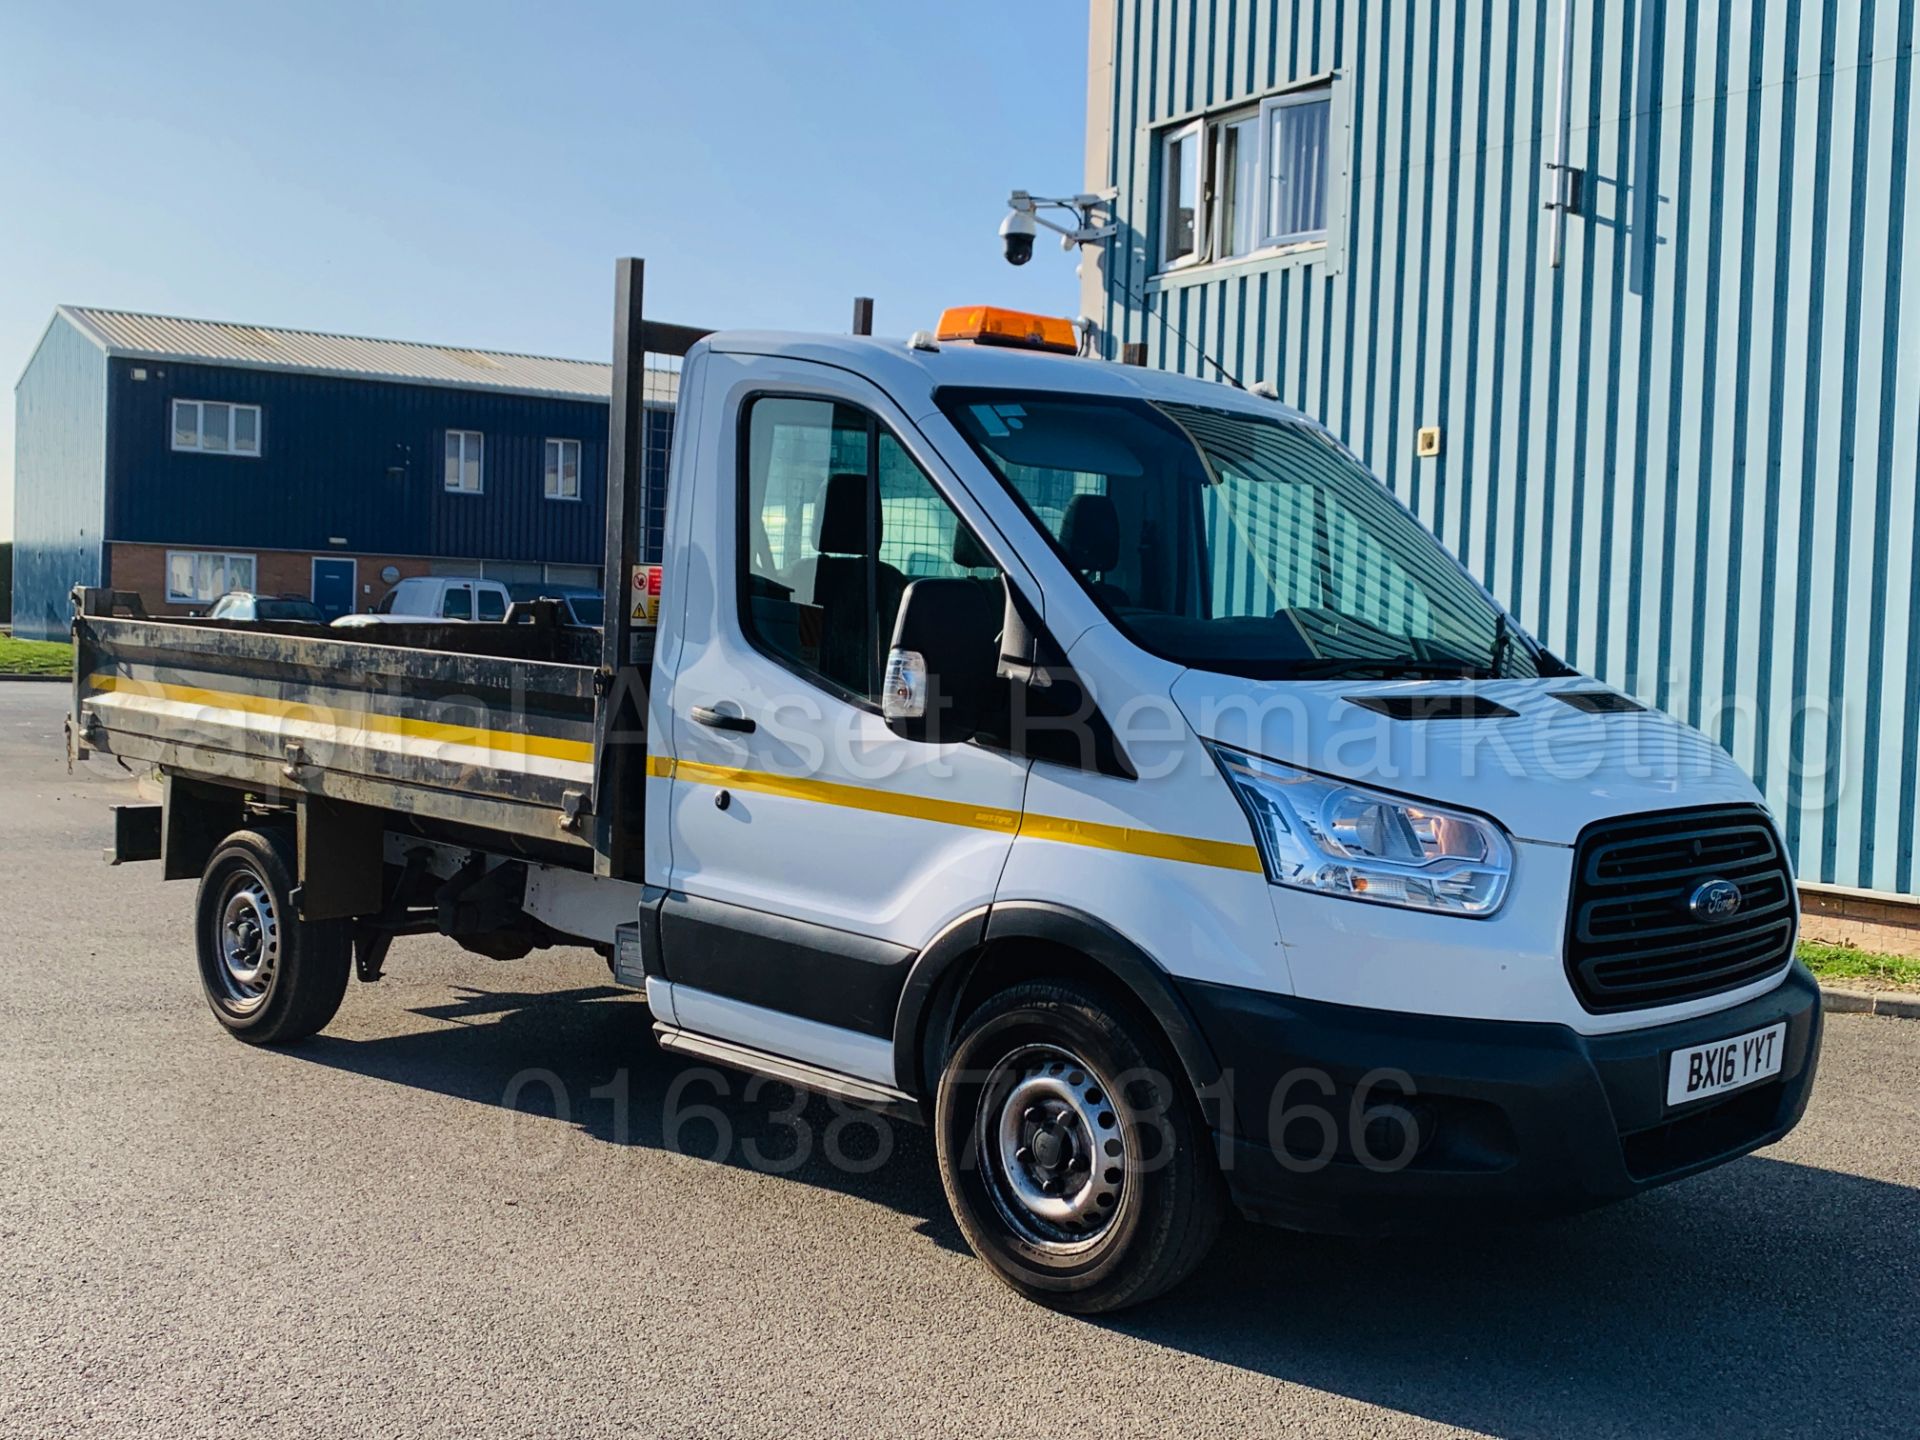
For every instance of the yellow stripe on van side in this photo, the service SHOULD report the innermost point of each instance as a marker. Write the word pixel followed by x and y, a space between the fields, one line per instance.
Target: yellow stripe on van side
pixel 505 741
pixel 1187 849
pixel 830 792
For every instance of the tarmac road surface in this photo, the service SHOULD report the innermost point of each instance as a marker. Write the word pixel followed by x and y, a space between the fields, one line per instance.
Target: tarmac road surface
pixel 479 1204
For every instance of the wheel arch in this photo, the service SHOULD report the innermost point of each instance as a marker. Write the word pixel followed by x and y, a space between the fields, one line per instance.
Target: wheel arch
pixel 989 944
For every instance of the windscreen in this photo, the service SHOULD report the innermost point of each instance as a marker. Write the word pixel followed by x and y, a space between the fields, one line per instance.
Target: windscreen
pixel 1237 543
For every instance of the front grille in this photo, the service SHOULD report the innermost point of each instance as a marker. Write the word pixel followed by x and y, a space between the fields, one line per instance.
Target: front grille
pixel 1633 942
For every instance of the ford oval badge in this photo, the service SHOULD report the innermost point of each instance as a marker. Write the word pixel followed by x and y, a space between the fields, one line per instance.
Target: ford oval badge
pixel 1714 901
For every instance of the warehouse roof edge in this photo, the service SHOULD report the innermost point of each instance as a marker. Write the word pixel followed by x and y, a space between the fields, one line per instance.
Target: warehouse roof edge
pixel 165 338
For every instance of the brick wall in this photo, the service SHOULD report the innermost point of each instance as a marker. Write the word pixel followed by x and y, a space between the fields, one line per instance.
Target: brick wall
pixel 143 568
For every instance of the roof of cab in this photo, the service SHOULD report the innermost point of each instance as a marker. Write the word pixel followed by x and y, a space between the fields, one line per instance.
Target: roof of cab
pixel 910 375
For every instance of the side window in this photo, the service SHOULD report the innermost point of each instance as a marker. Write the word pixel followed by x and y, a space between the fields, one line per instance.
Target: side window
pixel 492 605
pixel 385 607
pixel 920 536
pixel 838 521
pixel 457 603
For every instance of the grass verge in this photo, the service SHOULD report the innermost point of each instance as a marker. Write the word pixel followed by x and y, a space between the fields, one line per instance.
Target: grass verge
pixel 1838 964
pixel 35 657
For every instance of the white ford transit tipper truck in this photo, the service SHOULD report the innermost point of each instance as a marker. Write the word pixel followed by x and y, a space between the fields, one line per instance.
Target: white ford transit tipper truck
pixel 1096 764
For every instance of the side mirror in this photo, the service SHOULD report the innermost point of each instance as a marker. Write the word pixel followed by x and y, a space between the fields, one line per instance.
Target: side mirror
pixel 941 670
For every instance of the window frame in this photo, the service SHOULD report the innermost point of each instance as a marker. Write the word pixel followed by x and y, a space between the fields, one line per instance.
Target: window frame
pixel 199 447
pixel 1214 185
pixel 227 557
pixel 743 536
pixel 553 474
pixel 1196 128
pixel 1292 99
pixel 458 486
pixel 1209 222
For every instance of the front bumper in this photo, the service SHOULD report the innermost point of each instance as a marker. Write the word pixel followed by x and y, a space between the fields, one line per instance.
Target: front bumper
pixel 1344 1120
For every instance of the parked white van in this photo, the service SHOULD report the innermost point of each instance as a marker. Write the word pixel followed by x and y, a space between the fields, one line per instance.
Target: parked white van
pixel 436 598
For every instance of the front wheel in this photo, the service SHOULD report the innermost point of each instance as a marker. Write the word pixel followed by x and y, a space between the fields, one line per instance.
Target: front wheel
pixel 1072 1153
pixel 269 976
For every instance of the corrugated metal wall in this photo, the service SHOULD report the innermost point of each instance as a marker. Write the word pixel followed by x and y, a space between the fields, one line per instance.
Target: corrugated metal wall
pixel 1687 459
pixel 59 479
pixel 362 460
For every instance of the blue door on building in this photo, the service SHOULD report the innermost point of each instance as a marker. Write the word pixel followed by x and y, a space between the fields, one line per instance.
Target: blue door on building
pixel 333 584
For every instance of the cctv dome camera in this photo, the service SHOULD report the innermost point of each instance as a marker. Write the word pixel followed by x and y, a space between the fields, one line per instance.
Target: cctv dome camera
pixel 1016 233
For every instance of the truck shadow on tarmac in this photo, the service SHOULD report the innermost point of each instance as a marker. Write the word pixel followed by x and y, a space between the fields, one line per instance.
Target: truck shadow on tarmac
pixel 1762 1298
pixel 586 1057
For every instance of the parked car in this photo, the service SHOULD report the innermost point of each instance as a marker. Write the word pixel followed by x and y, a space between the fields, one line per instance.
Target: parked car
pixel 582 605
pixel 436 597
pixel 241 605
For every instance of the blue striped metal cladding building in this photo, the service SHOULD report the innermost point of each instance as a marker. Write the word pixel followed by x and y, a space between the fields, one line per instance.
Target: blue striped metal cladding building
pixel 1687 458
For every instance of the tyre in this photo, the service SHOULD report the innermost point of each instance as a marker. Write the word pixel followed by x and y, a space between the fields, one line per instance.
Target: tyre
pixel 1073 1154
pixel 269 976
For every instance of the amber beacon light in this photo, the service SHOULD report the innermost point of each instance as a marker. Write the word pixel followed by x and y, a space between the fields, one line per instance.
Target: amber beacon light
pixel 991 325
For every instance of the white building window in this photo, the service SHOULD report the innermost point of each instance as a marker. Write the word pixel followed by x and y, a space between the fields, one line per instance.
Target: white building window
pixel 215 427
pixel 1236 169
pixel 563 469
pixel 199 577
pixel 1255 179
pixel 465 461
pixel 1296 131
pixel 1180 196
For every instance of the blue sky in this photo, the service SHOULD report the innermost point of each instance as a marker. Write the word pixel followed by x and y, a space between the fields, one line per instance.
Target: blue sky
pixel 466 173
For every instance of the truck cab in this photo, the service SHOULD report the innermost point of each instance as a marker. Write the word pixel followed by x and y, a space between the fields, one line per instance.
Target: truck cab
pixel 1228 736
pixel 1102 767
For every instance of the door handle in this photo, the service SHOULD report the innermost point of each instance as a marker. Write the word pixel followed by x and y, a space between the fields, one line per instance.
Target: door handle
pixel 722 720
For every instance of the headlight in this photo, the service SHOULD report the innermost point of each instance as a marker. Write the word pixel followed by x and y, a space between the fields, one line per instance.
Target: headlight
pixel 1342 839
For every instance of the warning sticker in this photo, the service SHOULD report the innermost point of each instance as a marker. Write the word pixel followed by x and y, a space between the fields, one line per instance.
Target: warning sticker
pixel 646 594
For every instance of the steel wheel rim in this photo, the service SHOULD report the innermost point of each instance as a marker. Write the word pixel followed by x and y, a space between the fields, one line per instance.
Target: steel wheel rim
pixel 1053 1148
pixel 249 944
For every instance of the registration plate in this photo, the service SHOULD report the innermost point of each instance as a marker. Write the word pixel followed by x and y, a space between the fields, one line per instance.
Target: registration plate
pixel 1725 1064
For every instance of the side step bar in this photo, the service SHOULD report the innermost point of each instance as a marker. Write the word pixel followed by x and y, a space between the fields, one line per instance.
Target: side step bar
pixel 797 1073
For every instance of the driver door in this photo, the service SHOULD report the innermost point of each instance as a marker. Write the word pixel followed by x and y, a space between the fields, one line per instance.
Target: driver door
pixel 814 852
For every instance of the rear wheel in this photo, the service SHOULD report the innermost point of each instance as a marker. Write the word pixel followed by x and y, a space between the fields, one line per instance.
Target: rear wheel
pixel 269 976
pixel 1072 1152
